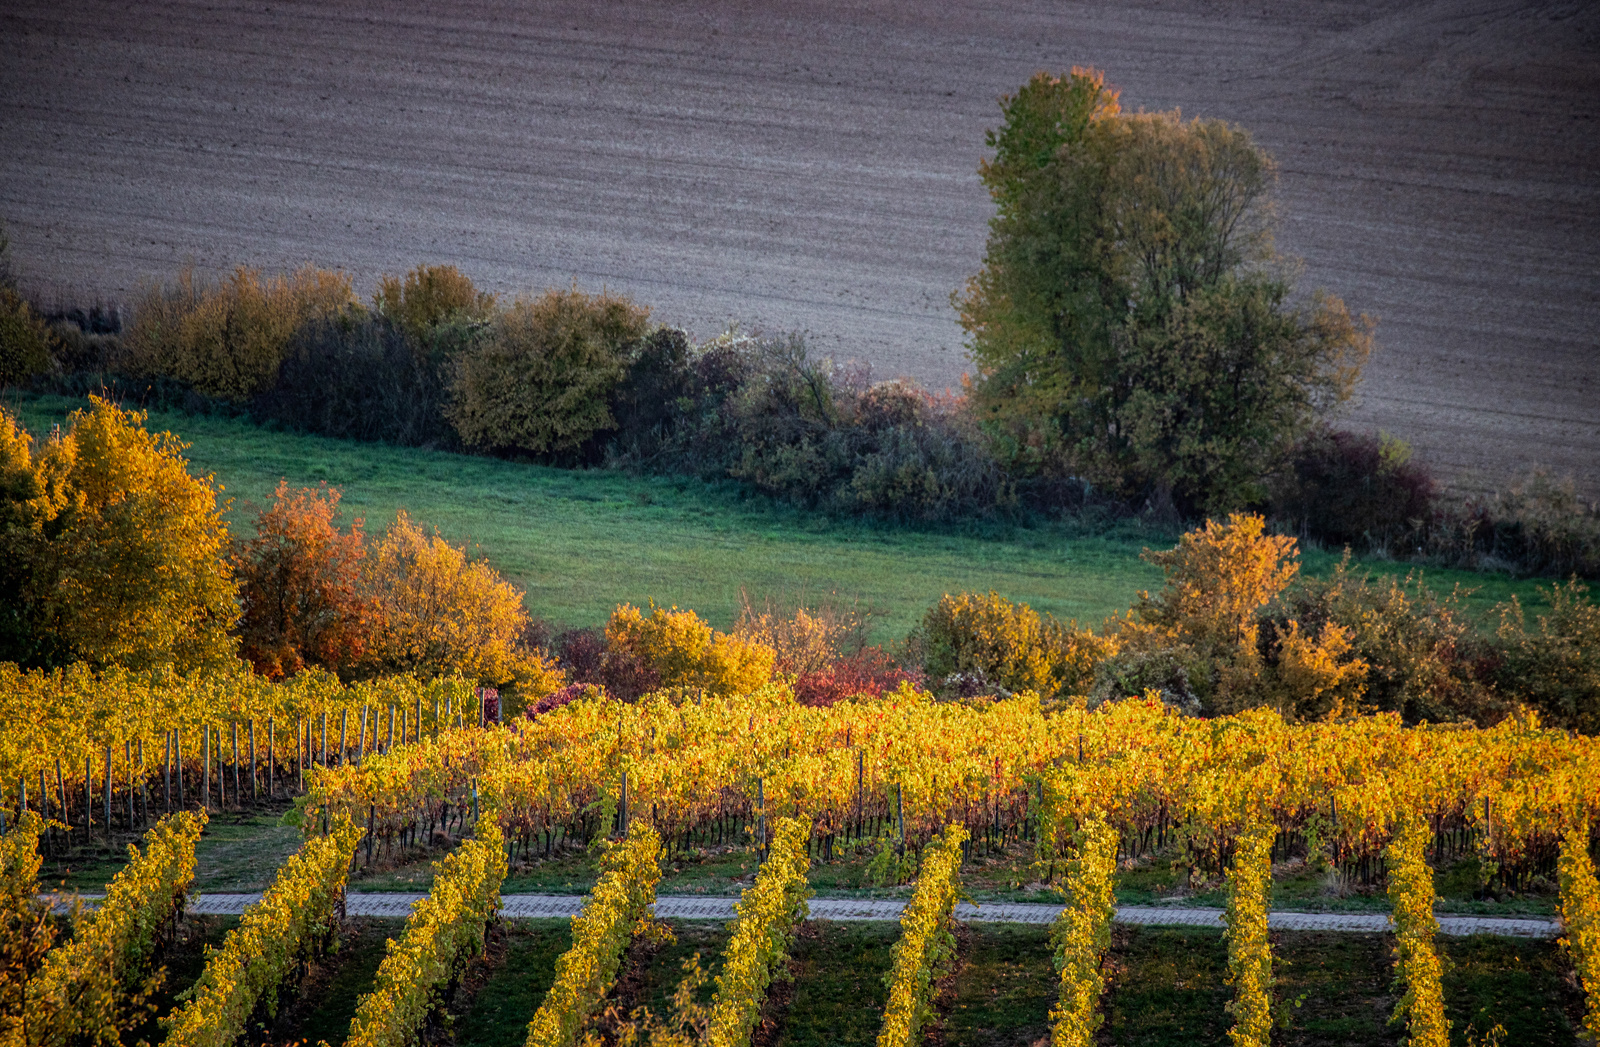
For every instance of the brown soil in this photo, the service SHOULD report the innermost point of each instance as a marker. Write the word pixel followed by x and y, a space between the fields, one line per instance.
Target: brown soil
pixel 811 165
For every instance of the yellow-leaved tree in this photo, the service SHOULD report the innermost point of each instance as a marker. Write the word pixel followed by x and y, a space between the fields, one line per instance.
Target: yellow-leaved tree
pixel 438 612
pixel 1207 636
pixel 114 553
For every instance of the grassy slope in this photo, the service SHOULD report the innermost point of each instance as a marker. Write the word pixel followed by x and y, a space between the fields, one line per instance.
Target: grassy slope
pixel 580 542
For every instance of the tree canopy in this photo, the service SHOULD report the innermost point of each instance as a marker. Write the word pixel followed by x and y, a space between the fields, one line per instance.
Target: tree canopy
pixel 1132 323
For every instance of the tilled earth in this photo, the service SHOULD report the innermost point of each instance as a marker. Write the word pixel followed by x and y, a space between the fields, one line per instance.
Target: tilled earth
pixel 811 165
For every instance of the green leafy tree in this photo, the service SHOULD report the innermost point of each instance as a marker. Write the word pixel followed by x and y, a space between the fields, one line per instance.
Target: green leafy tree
pixel 1132 323
pixel 542 380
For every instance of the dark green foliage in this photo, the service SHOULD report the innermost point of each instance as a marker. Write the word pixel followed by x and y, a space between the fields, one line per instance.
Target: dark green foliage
pixel 1129 324
pixel 541 380
pixel 362 376
pixel 25 340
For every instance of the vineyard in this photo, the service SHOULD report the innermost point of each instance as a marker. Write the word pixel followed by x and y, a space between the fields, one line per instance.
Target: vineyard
pixel 920 788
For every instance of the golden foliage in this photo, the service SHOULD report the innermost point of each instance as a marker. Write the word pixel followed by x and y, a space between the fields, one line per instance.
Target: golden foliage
pixel 1580 918
pixel 439 613
pixel 926 946
pixel 1081 936
pixel 686 652
pixel 1417 965
pixel 428 296
pixel 228 338
pixel 1249 949
pixel 1011 645
pixel 121 548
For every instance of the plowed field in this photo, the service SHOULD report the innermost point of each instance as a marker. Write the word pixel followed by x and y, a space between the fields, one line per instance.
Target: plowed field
pixel 811 165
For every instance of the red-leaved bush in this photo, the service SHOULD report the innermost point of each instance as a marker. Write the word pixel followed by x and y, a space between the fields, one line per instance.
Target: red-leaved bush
pixel 867 673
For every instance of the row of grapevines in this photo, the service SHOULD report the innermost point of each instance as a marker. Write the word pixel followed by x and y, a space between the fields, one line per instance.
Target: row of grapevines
pixel 926 944
pixel 768 914
pixel 1417 963
pixel 25 928
pixel 1580 917
pixel 87 984
pixel 54 723
pixel 615 911
pixel 290 923
pixel 1082 934
pixel 1249 950
pixel 440 936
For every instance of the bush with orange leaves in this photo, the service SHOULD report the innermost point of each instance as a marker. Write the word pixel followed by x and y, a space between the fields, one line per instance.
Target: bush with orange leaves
pixel 1205 629
pixel 300 585
pixel 410 602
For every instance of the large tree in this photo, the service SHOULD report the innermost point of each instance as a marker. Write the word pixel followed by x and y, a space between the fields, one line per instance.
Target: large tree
pixel 1132 323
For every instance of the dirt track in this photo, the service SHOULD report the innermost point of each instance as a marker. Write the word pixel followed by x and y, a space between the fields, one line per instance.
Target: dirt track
pixel 808 165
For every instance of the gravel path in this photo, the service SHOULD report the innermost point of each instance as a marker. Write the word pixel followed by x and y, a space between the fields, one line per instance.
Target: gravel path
pixel 812 165
pixel 532 906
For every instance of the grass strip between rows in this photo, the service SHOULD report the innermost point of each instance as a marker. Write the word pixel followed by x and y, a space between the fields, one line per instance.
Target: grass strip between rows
pixel 926 945
pixel 295 917
pixel 612 915
pixel 88 983
pixel 444 929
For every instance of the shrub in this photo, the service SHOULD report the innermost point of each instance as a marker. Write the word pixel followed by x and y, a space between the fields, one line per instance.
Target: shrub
pixel 1211 621
pixel 542 379
pixel 300 586
pixel 869 673
pixel 116 551
pixel 439 614
pixel 26 341
pixel 359 376
pixel 427 297
pixel 683 651
pixel 1556 667
pixel 1540 526
pixel 1425 659
pixel 228 338
pixel 806 640
pixel 1359 489
pixel 1009 645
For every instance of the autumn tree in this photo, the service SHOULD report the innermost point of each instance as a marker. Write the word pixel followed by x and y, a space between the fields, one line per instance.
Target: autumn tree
pixel 428 296
pixel 1206 638
pixel 681 650
pixel 300 586
pixel 115 554
pixel 1132 324
pixel 439 612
